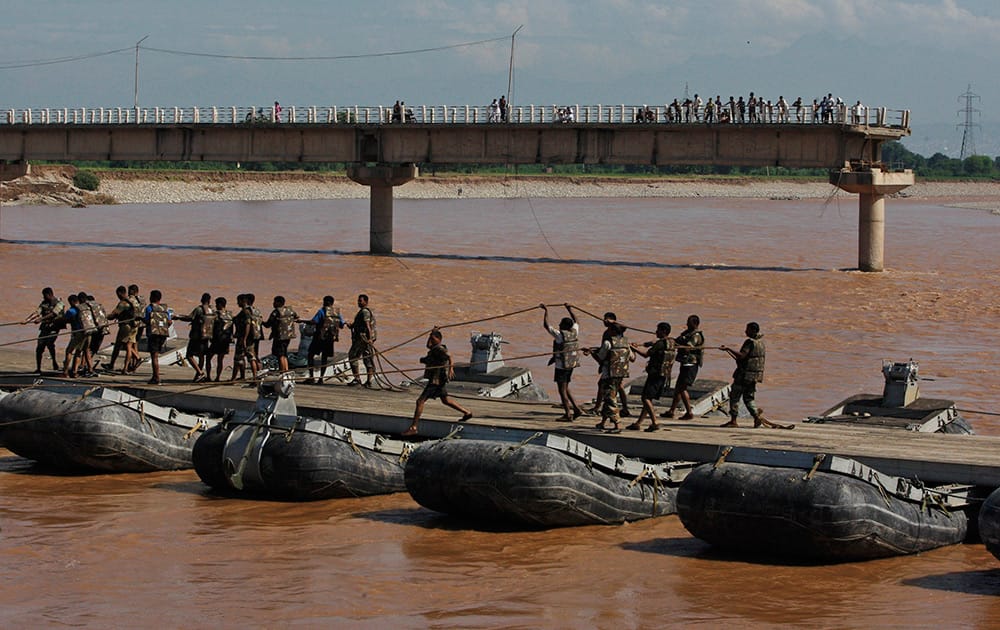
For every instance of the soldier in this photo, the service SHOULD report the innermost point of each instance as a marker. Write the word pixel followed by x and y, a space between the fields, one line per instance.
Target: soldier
pixel 240 324
pixel 157 318
pixel 610 318
pixel 88 328
pixel 690 346
pixel 140 327
pixel 363 334
pixel 326 324
pixel 77 340
pixel 255 332
pixel 101 329
pixel 661 355
pixel 613 356
pixel 749 372
pixel 282 324
pixel 565 357
pixel 438 371
pixel 124 314
pixel 222 337
pixel 202 319
pixel 49 317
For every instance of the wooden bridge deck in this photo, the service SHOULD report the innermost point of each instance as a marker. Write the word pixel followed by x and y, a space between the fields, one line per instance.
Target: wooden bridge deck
pixel 930 457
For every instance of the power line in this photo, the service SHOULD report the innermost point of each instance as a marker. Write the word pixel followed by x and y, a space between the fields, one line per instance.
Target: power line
pixel 31 63
pixel 968 140
pixel 325 57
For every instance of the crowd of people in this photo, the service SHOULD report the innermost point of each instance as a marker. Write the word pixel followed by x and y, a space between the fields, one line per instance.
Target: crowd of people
pixel 753 109
pixel 215 330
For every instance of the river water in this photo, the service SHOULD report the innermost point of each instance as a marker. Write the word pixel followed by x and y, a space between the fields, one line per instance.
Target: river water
pixel 158 550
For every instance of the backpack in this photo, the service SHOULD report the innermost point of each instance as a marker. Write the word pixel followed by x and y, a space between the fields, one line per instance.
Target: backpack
pixel 86 318
pixel 254 320
pixel 286 323
pixel 207 321
pixel 222 328
pixel 618 358
pixel 330 326
pixel 100 317
pixel 159 320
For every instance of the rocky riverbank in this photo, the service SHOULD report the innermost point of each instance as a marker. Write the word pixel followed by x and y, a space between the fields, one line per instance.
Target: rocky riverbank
pixel 53 185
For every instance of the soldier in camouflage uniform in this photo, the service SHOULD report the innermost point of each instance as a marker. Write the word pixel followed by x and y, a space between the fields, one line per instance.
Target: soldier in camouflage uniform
pixel 282 324
pixel 661 354
pixel 613 356
pixel 48 316
pixel 690 344
pixel 749 372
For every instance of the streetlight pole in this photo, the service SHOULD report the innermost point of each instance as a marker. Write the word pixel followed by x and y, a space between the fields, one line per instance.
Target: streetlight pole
pixel 136 93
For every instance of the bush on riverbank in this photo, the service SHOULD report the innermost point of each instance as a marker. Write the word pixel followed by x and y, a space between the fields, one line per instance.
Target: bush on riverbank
pixel 86 180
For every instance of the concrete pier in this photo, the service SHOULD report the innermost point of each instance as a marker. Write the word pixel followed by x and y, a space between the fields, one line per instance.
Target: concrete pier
pixel 380 179
pixel 872 186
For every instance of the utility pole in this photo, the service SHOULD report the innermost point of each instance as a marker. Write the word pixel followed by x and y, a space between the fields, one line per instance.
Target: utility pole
pixel 968 141
pixel 510 70
pixel 136 93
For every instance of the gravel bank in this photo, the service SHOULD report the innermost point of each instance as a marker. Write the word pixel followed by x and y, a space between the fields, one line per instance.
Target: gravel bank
pixel 270 189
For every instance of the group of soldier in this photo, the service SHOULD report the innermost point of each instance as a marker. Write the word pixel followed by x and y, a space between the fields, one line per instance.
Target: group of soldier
pixel 616 352
pixel 214 330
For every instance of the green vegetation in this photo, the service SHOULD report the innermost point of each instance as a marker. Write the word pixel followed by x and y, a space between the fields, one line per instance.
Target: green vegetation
pixel 940 166
pixel 86 180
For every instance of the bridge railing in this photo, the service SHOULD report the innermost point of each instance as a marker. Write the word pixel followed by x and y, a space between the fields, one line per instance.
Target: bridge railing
pixel 459 114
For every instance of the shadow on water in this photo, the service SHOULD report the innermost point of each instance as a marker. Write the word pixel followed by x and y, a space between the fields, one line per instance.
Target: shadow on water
pixel 428 519
pixel 694 548
pixel 422 256
pixel 985 582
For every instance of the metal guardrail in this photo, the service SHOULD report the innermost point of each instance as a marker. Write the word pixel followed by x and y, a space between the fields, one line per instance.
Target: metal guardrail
pixel 456 114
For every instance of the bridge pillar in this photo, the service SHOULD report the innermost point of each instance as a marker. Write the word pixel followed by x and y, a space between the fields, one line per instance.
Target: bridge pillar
pixel 13 170
pixel 380 179
pixel 872 186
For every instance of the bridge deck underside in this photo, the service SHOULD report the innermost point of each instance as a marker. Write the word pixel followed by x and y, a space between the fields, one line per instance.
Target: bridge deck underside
pixel 794 146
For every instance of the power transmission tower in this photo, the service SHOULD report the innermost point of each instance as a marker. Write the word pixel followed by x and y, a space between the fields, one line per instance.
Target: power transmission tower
pixel 968 141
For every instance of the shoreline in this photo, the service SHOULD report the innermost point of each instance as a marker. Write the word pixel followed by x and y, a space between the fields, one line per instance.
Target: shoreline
pixel 52 185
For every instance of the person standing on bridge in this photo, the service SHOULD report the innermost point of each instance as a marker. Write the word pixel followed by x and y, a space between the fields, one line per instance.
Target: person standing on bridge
pixel 749 371
pixel 438 370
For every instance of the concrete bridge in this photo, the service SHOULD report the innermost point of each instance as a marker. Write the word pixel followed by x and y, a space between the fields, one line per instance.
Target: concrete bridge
pixel 383 152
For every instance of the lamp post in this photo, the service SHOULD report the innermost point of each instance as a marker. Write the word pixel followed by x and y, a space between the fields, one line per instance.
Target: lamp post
pixel 136 93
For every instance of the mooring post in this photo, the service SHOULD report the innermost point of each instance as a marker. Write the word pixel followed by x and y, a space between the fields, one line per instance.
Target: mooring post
pixel 871 185
pixel 381 179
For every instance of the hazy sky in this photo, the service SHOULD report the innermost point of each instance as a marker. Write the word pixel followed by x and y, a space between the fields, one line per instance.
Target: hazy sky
pixel 916 54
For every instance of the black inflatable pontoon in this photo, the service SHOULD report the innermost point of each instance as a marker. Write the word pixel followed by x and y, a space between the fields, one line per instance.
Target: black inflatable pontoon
pixel 815 515
pixel 274 453
pixel 537 485
pixel 103 430
pixel 989 523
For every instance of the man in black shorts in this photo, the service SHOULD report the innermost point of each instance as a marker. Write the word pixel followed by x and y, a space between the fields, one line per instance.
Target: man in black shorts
pixel 689 355
pixel 565 358
pixel 282 324
pixel 438 371
pixel 661 355
pixel 157 318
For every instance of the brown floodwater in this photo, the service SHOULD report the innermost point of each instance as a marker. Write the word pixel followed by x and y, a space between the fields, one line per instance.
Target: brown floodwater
pixel 158 550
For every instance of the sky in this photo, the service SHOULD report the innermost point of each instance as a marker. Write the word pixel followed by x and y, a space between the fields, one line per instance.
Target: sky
pixel 919 55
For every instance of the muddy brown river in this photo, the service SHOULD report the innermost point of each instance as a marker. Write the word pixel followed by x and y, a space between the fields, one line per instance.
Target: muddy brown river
pixel 158 550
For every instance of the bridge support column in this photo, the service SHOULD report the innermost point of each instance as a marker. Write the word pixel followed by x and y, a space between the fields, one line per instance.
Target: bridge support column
pixel 13 170
pixel 871 186
pixel 381 179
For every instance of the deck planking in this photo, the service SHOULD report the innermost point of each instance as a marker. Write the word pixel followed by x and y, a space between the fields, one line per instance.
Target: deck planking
pixel 932 458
